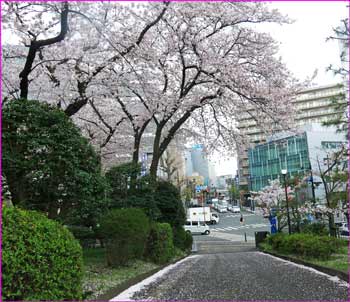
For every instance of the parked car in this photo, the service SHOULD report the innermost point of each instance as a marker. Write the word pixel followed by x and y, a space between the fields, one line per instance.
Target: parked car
pixel 236 209
pixel 229 207
pixel 222 208
pixel 344 229
pixel 196 227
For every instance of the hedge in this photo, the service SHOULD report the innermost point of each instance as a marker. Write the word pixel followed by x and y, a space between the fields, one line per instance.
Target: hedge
pixel 305 245
pixel 160 246
pixel 182 239
pixel 319 229
pixel 41 260
pixel 125 232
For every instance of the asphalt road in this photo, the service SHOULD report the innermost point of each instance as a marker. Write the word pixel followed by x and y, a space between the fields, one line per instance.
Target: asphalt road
pixel 239 276
pixel 230 224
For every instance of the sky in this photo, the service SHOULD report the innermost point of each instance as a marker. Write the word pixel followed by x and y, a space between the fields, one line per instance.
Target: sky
pixel 303 47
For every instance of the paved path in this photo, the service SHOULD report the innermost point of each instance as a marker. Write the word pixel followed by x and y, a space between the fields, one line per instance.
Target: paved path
pixel 237 276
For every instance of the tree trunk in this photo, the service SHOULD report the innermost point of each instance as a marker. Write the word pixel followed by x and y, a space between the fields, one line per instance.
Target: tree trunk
pixel 135 160
pixel 35 45
pixel 156 154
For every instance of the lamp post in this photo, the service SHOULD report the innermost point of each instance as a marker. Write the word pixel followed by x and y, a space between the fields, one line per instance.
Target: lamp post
pixel 284 173
pixel 312 186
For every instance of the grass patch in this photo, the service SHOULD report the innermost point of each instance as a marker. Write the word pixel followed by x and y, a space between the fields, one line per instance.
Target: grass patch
pixel 99 278
pixel 338 261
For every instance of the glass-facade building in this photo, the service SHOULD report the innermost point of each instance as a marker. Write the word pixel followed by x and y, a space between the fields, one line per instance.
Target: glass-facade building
pixel 267 160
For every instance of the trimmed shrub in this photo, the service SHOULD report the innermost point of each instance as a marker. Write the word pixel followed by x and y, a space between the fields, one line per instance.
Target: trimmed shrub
pixel 319 229
pixel 182 239
pixel 41 260
pixel 275 240
pixel 160 245
pixel 305 245
pixel 125 232
pixel 188 241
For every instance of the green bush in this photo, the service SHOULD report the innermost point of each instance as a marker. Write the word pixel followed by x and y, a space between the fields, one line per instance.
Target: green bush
pixel 319 229
pixel 160 245
pixel 125 232
pixel 188 241
pixel 168 201
pixel 305 245
pixel 49 165
pixel 275 240
pixel 85 235
pixel 40 258
pixel 182 239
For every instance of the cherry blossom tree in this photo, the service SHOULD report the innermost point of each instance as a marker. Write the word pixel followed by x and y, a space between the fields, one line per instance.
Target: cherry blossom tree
pixel 207 67
pixel 273 197
pixel 335 182
pixel 166 68
pixel 92 36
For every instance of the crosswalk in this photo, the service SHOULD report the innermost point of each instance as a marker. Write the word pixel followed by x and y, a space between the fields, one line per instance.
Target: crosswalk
pixel 236 228
pixel 239 215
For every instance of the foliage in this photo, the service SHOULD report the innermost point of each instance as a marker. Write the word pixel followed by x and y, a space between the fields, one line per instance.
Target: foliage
pixel 182 239
pixel 49 166
pixel 124 194
pixel 119 179
pixel 305 245
pixel 168 201
pixel 341 102
pixel 125 232
pixel 318 229
pixel 340 121
pixel 188 240
pixel 84 234
pixel 160 246
pixel 201 77
pixel 272 196
pixel 40 258
pixel 234 192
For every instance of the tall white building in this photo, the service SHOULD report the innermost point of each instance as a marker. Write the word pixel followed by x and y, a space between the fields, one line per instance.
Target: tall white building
pixel 312 105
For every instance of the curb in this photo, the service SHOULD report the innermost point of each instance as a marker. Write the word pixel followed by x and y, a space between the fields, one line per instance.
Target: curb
pixel 115 291
pixel 326 270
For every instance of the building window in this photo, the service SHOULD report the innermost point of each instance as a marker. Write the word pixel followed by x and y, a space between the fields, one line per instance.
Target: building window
pixel 332 145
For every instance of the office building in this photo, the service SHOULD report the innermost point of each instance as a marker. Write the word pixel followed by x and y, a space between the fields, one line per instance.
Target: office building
pixel 298 153
pixel 312 105
pixel 197 163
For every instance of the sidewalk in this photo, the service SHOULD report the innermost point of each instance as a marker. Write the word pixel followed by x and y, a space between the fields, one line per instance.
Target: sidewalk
pixel 232 237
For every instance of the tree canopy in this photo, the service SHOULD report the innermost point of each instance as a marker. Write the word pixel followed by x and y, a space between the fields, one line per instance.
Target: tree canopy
pixel 49 166
pixel 123 71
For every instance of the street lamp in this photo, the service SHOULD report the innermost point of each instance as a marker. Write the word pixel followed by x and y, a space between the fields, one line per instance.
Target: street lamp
pixel 312 186
pixel 284 173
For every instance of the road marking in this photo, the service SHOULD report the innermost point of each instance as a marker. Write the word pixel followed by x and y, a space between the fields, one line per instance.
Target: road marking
pixel 238 215
pixel 248 226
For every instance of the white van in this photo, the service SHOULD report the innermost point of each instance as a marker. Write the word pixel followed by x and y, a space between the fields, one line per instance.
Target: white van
pixel 196 227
